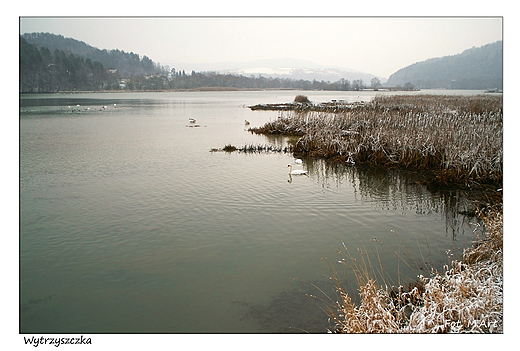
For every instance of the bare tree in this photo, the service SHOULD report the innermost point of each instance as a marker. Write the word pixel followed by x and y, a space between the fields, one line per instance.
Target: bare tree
pixel 375 83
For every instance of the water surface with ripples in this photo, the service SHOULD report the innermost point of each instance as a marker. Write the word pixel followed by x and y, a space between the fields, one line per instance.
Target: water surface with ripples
pixel 128 223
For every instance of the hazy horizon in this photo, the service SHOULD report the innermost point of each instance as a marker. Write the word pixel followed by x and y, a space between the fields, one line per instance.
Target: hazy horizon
pixel 378 45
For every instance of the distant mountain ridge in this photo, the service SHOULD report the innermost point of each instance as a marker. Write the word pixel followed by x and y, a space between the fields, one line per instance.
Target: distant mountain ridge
pixel 50 62
pixel 475 68
pixel 286 67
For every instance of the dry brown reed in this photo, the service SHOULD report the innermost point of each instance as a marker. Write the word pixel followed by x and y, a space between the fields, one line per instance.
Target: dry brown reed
pixel 254 148
pixel 460 137
pixel 465 298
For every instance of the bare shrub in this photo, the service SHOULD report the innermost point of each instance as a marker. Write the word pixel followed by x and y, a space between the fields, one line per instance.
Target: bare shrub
pixel 229 148
pixel 302 99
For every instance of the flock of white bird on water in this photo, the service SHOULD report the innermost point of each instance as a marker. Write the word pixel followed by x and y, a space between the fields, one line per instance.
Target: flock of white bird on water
pixel 77 108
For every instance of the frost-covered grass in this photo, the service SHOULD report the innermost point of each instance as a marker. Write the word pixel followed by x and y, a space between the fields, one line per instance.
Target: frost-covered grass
pixel 465 298
pixel 459 137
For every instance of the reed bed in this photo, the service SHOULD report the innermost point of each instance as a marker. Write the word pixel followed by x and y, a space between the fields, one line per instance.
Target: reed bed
pixel 254 149
pixel 465 298
pixel 459 137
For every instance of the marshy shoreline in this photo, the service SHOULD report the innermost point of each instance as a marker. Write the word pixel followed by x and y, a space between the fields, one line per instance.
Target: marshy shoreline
pixel 457 138
pixel 456 141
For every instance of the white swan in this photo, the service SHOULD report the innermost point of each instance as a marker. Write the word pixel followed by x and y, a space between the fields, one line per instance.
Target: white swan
pixel 298 161
pixel 296 171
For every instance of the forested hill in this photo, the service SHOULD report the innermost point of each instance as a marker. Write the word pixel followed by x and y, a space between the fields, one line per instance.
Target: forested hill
pixel 52 63
pixel 475 68
pixel 125 63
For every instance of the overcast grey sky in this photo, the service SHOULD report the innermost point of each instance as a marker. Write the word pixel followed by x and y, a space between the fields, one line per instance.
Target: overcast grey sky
pixel 377 45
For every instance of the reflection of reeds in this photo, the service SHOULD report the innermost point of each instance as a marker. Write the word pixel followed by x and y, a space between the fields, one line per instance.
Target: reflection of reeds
pixel 460 137
pixel 465 298
pixel 399 190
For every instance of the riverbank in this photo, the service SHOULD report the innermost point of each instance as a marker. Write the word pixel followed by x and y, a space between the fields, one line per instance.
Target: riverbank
pixel 207 88
pixel 199 89
pixel 458 141
pixel 467 297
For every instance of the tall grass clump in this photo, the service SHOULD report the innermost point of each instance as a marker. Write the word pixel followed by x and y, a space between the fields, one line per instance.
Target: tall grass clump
pixel 466 297
pixel 459 137
pixel 303 99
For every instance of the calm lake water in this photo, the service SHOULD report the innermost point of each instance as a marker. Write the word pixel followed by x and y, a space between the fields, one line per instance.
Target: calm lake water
pixel 128 223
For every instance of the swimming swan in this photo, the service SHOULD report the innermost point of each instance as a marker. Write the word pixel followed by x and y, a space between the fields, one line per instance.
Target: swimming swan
pixel 296 171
